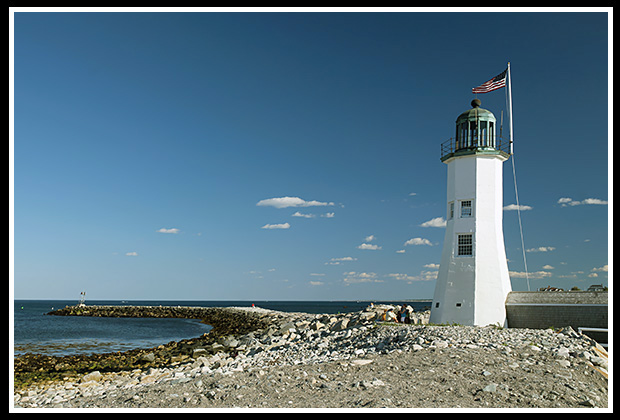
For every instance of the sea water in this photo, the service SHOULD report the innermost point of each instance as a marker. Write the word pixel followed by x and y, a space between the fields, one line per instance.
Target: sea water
pixel 36 332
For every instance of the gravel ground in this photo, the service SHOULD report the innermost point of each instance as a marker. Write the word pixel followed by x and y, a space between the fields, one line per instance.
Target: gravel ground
pixel 434 378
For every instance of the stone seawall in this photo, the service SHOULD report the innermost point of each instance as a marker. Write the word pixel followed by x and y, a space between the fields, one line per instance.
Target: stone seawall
pixel 559 309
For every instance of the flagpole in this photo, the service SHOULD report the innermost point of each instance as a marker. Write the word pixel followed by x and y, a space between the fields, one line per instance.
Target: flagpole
pixel 510 105
pixel 514 176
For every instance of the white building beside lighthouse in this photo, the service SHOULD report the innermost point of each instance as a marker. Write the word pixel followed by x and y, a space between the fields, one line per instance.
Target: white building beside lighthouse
pixel 473 282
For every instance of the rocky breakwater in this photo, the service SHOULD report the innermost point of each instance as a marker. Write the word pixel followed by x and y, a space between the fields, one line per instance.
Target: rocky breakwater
pixel 223 320
pixel 233 329
pixel 30 368
pixel 350 360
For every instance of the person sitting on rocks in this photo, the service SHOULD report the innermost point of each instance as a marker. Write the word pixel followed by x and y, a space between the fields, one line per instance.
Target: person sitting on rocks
pixel 391 316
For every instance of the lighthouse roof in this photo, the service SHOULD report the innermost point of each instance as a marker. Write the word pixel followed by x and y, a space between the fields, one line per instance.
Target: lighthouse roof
pixel 476 113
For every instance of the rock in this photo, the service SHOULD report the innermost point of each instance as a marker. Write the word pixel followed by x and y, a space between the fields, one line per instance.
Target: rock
pixel 490 388
pixel 440 344
pixel 199 353
pixel 230 342
pixel 377 382
pixel 340 325
pixel 215 347
pixel 360 362
pixel 92 376
pixel 564 363
pixel 317 325
pixel 149 357
pixel 599 361
pixel 587 403
pixel 367 316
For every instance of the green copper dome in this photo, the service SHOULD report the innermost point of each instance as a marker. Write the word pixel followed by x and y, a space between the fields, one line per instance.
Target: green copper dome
pixel 476 113
pixel 475 135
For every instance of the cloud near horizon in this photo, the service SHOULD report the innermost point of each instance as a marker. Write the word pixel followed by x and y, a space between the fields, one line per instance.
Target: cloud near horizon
pixel 536 275
pixel 541 249
pixel 566 201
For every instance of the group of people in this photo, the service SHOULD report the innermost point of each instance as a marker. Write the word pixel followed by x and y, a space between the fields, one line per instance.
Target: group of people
pixel 403 314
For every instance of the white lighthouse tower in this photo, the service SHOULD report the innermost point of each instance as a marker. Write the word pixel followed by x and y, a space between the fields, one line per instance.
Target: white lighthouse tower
pixel 473 280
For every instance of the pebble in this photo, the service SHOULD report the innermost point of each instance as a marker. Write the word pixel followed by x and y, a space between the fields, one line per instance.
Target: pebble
pixel 312 339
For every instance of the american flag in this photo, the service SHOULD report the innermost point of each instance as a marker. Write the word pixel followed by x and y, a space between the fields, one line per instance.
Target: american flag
pixel 497 82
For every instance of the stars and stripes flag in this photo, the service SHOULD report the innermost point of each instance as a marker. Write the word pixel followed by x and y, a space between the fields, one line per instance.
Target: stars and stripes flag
pixel 497 82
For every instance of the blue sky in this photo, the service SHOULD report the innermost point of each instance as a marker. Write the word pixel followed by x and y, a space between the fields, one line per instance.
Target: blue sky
pixel 294 156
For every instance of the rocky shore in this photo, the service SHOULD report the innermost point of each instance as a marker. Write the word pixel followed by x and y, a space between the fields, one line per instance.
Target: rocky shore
pixel 258 358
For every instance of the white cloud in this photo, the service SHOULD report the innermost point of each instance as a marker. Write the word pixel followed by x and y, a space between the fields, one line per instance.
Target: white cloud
pixel 423 276
pixel 603 268
pixel 171 230
pixel 371 247
pixel 412 194
pixel 132 254
pixel 597 201
pixel 515 207
pixel 353 277
pixel 541 249
pixel 418 241
pixel 548 267
pixel 337 261
pixel 566 201
pixel 307 216
pixel 370 238
pixel 431 265
pixel 277 226
pixel 328 215
pixel 436 222
pixel 400 251
pixel 315 283
pixel 282 202
pixel 533 275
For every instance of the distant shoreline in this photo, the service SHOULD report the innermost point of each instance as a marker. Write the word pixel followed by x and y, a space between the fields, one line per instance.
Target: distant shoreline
pixel 227 300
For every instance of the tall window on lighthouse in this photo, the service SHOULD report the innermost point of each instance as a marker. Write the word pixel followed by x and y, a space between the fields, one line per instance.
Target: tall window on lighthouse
pixel 465 245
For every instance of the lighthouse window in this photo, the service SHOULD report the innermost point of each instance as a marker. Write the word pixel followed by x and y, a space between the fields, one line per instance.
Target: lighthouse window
pixel 465 245
pixel 466 208
pixel 450 210
pixel 483 133
pixel 473 131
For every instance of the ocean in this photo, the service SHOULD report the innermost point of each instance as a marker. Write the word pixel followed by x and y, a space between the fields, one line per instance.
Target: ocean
pixel 36 332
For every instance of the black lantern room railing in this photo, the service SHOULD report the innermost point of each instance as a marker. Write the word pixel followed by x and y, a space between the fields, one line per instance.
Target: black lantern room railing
pixel 454 147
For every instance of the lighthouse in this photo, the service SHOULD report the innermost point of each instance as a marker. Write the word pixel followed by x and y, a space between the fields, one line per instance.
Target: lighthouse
pixel 473 282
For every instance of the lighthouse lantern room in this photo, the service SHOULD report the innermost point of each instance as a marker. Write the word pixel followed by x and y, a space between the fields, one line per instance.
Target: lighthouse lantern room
pixel 473 282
